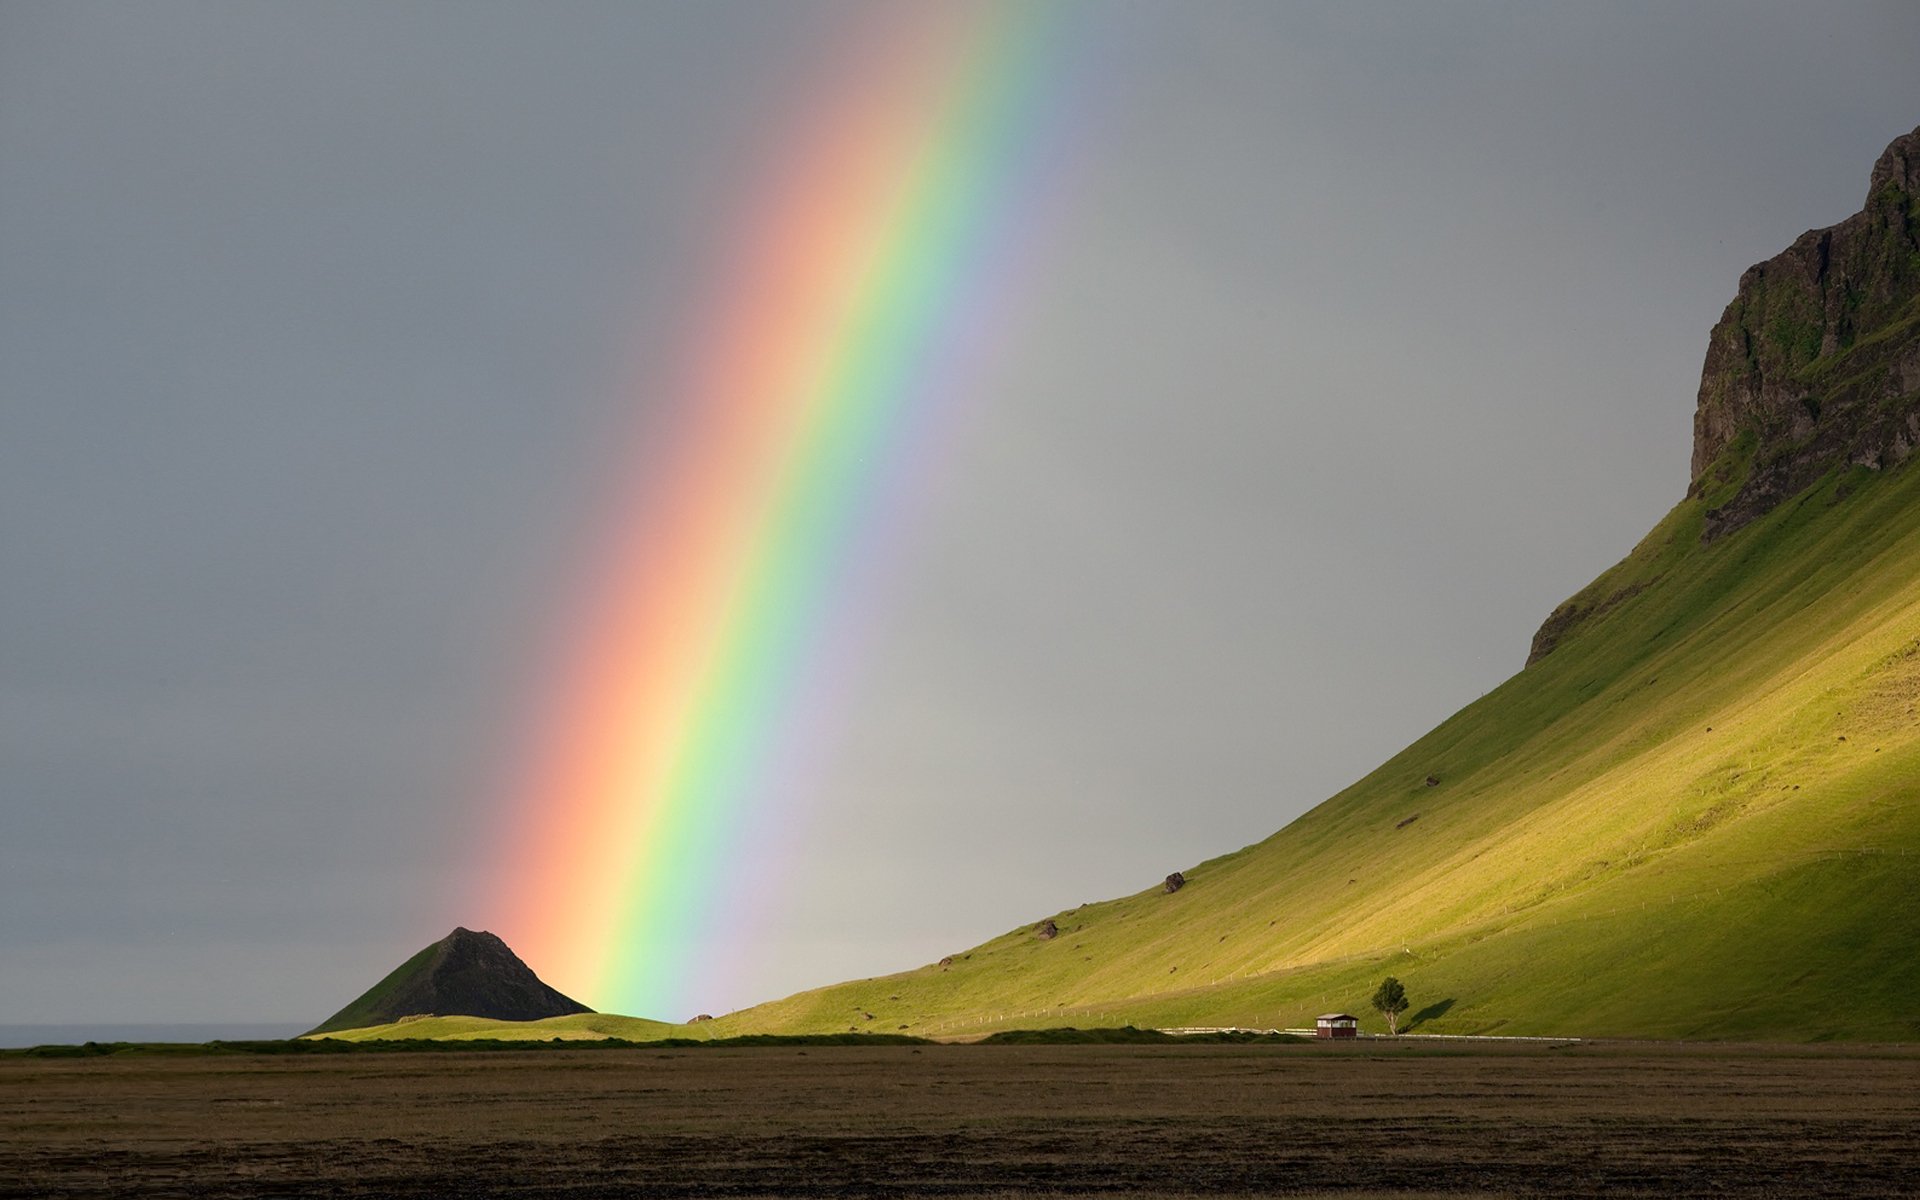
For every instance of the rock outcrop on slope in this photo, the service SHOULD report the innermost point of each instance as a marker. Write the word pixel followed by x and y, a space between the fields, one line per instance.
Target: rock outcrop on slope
pixel 463 974
pixel 1814 366
pixel 1816 362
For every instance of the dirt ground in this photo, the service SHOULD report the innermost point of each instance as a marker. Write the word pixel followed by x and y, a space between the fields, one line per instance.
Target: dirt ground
pixel 1115 1121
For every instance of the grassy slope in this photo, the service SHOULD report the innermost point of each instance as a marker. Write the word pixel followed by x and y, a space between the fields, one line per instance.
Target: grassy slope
pixel 574 1027
pixel 361 1011
pixel 1699 816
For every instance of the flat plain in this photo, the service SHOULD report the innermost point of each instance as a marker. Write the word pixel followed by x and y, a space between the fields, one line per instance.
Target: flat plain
pixel 1380 1117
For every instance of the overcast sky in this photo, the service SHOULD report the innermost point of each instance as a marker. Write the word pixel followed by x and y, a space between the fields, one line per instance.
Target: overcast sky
pixel 1367 334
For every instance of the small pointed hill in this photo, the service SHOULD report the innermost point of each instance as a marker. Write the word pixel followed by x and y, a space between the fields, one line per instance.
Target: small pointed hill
pixel 465 974
pixel 1694 813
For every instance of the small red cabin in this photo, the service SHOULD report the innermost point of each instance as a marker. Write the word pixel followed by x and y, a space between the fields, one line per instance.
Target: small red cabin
pixel 1336 1025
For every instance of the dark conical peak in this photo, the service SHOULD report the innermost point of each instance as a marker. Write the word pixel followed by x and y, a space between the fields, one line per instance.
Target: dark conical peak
pixel 466 973
pixel 462 936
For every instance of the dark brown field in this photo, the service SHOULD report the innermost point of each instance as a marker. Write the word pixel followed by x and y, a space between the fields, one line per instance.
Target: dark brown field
pixel 1591 1120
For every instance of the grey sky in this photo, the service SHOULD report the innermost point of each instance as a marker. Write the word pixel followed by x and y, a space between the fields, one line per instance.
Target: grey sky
pixel 1371 333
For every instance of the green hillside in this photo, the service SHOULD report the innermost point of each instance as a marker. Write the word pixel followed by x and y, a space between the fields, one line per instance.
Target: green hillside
pixel 1700 817
pixel 368 1007
pixel 1695 813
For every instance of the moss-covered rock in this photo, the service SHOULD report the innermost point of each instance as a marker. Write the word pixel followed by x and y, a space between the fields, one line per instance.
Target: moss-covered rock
pixel 1818 356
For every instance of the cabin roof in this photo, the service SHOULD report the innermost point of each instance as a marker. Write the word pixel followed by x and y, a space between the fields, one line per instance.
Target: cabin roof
pixel 1336 1017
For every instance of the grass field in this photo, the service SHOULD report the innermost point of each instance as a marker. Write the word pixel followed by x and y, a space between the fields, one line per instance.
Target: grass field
pixel 1116 1121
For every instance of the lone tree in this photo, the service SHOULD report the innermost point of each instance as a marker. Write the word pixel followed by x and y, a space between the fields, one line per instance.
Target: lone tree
pixel 1391 1001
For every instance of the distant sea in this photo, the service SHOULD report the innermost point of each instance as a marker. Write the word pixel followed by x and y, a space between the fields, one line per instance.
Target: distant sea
pixel 13 1037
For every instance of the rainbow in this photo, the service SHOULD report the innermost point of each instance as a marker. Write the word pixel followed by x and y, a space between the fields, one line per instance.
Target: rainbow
pixel 856 299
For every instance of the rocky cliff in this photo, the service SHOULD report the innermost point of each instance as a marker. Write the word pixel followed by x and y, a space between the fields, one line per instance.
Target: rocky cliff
pixel 1816 362
pixel 1814 366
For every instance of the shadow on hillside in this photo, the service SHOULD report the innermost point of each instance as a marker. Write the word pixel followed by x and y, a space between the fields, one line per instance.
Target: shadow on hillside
pixel 1431 1012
